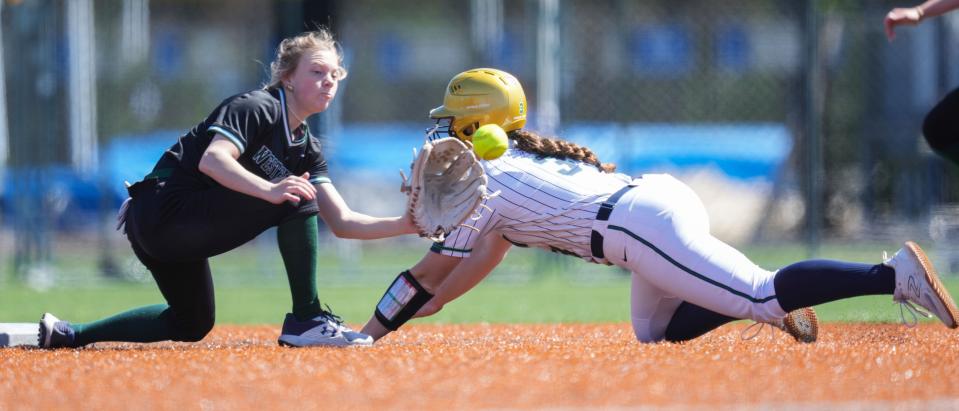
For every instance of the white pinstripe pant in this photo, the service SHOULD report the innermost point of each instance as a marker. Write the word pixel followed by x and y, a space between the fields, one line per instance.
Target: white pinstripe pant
pixel 659 230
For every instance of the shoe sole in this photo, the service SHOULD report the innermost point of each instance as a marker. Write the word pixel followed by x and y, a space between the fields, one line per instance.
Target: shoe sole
pixel 933 279
pixel 803 325
pixel 299 342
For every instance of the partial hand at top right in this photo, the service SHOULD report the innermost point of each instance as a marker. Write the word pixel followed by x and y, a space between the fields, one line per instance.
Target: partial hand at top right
pixel 899 16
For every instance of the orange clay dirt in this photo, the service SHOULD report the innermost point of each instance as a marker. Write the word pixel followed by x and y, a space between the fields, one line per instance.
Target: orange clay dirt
pixel 870 366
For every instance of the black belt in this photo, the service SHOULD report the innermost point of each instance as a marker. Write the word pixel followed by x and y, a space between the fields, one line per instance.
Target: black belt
pixel 596 239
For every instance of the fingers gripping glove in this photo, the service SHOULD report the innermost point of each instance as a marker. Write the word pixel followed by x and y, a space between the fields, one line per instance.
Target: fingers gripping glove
pixel 446 186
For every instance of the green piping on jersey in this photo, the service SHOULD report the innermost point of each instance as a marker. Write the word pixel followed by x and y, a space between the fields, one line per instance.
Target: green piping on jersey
pixel 690 271
pixel 437 247
pixel 286 124
pixel 230 136
pixel 302 139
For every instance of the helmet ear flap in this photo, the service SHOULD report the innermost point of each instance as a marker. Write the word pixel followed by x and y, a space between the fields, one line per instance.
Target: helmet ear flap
pixel 470 129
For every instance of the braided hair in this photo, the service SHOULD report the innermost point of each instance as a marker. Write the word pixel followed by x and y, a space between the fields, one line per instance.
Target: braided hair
pixel 533 143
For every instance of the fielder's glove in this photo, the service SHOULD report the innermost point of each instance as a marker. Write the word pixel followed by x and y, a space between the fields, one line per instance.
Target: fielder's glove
pixel 446 185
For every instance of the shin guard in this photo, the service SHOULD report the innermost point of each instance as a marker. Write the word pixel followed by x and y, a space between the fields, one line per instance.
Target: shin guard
pixel 401 301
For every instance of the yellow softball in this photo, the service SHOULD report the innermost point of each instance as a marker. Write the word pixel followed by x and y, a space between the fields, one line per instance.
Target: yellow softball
pixel 490 142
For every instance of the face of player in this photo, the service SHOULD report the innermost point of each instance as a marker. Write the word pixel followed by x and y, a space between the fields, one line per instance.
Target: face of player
pixel 314 82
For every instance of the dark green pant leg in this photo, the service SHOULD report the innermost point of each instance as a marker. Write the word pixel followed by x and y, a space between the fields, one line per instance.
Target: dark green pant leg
pixel 188 315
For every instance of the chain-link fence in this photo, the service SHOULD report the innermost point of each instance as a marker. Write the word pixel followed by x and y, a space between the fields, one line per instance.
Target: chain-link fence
pixel 794 120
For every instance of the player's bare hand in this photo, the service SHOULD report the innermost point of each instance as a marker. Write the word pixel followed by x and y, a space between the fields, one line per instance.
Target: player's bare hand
pixel 292 189
pixel 900 16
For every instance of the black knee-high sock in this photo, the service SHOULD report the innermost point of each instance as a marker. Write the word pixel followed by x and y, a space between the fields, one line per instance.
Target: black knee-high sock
pixel 690 321
pixel 814 282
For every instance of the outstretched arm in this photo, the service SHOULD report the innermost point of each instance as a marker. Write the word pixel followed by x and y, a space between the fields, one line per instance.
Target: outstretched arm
pixel 435 270
pixel 468 273
pixel 346 223
pixel 219 161
pixel 915 15
pixel 428 274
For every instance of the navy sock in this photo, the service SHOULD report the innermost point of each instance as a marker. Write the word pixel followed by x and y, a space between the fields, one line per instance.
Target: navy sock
pixel 690 321
pixel 813 282
pixel 803 284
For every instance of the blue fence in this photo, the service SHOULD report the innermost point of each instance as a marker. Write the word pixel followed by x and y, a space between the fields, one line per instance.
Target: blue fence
pixel 740 151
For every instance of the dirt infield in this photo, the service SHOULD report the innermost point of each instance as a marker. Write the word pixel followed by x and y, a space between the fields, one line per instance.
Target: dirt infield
pixel 498 366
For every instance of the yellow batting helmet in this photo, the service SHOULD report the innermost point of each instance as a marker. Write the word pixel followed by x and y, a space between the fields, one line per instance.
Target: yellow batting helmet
pixel 482 96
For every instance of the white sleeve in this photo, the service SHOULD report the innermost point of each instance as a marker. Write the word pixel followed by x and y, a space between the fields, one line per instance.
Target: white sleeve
pixel 459 243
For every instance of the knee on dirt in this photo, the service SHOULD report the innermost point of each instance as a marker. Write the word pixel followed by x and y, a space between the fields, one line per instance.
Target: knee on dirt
pixel 193 326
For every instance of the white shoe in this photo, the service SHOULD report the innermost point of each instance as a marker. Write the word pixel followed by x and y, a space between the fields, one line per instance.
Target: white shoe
pixel 917 283
pixel 325 330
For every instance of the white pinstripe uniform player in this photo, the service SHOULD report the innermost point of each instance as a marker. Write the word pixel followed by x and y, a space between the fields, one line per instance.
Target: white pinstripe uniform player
pixel 553 204
pixel 557 196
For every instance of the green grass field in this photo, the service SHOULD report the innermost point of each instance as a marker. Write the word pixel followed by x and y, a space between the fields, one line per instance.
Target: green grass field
pixel 566 290
pixel 549 300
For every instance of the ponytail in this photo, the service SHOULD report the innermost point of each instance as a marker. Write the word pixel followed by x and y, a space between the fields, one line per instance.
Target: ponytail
pixel 556 148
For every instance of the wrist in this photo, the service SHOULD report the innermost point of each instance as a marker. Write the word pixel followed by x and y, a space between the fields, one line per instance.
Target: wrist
pixel 264 189
pixel 919 12
pixel 265 186
pixel 408 226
